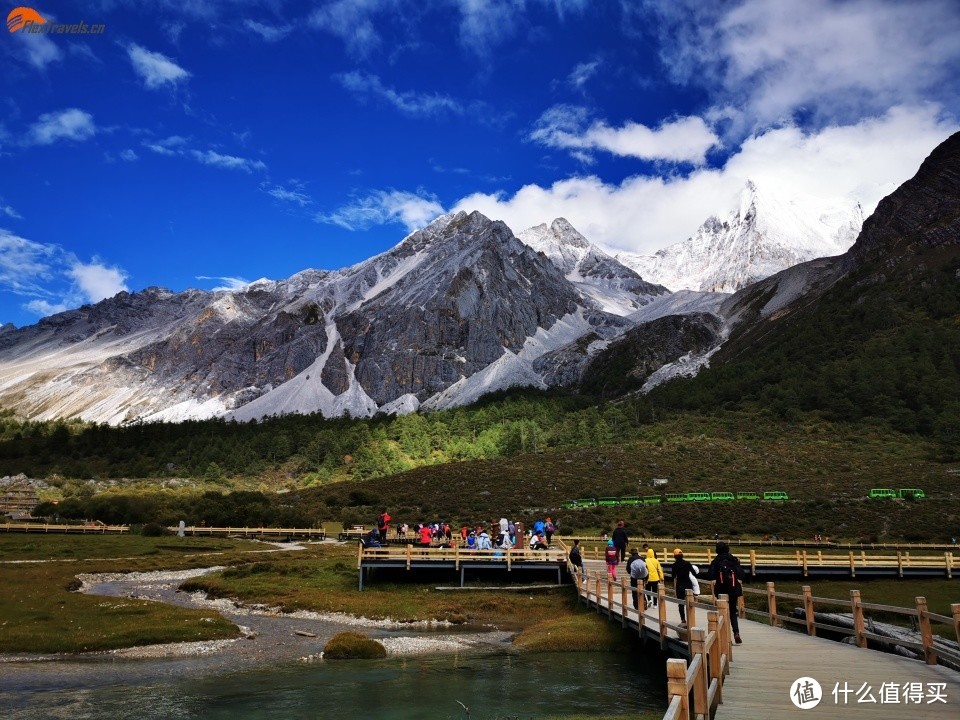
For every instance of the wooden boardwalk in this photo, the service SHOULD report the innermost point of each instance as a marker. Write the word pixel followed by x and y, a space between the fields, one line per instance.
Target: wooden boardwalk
pixel 771 659
pixel 764 669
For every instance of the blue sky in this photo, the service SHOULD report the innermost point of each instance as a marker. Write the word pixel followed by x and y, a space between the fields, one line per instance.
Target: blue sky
pixel 206 143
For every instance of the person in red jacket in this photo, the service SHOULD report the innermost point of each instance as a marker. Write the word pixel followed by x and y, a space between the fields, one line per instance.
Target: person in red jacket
pixel 426 535
pixel 383 525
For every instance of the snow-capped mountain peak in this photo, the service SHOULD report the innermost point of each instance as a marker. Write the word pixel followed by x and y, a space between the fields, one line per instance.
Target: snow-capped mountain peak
pixel 764 233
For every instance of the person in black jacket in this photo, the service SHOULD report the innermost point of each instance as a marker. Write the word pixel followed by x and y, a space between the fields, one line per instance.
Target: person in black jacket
pixel 727 575
pixel 683 573
pixel 620 540
pixel 576 559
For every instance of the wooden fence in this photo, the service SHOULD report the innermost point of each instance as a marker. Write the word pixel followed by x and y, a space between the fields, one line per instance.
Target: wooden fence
pixel 918 616
pixel 98 529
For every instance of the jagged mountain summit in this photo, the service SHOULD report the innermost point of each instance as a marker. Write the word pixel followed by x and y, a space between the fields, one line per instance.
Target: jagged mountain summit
pixel 763 235
pixel 455 310
pixel 614 286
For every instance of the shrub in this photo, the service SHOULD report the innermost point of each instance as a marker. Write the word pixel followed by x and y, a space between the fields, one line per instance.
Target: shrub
pixel 353 646
pixel 153 530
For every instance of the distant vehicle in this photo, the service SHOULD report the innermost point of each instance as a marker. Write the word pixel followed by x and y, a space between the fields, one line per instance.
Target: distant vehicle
pixel 698 496
pixel 721 496
pixel 883 493
pixel 676 497
pixel 916 493
pixel 587 502
pixel 659 482
pixel 748 496
pixel 571 505
pixel 608 501
pixel 651 500
pixel 775 495
pixel 631 501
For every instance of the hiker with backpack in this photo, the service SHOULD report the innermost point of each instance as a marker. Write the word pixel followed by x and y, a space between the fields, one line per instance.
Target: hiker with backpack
pixel 548 529
pixel 383 525
pixel 727 575
pixel 684 578
pixel 637 567
pixel 611 557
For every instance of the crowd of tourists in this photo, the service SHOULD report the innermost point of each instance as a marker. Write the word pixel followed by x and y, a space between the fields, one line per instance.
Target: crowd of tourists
pixel 503 535
pixel 646 573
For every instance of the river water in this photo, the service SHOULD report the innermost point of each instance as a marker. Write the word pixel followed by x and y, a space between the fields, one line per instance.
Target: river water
pixel 264 677
pixel 490 685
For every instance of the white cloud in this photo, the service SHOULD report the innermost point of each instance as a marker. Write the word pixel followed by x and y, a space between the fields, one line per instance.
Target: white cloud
pixel 129 155
pixel 230 162
pixel 70 124
pixel 154 68
pixel 413 210
pixel 172 145
pixel 582 73
pixel 829 61
pixel 97 281
pixel 24 264
pixel 270 33
pixel 36 50
pixel 352 22
pixel 52 278
pixel 684 139
pixel 863 162
pixel 9 211
pixel 409 102
pixel 291 195
pixel 226 283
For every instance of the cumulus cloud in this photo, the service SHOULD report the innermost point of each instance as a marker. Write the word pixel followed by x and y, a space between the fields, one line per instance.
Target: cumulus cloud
pixel 70 124
pixel 172 145
pixel 52 279
pixel 684 139
pixel 769 61
pixel 95 280
pixel 9 211
pixel 408 102
pixel 129 155
pixel 860 162
pixel 155 69
pixel 413 210
pixel 229 162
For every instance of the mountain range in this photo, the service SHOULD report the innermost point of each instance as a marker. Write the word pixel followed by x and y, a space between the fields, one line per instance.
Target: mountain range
pixel 458 309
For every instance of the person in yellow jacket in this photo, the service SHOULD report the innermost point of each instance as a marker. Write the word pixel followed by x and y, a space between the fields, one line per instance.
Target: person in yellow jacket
pixel 654 573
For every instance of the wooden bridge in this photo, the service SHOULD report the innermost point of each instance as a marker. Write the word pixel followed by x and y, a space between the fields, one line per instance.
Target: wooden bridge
pixel 710 677
pixel 253 532
pixel 713 678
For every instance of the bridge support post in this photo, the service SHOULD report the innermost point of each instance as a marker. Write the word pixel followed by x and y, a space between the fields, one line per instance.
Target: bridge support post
pixel 691 608
pixel 677 686
pixel 857 609
pixel 598 594
pixel 772 602
pixel 853 567
pixel 926 634
pixel 808 610
pixel 623 603
pixel 662 614
pixel 698 643
pixel 955 609
pixel 609 598
pixel 716 665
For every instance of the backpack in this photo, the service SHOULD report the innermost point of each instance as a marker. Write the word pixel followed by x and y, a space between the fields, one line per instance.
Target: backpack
pixel 638 569
pixel 727 574
pixel 550 527
pixel 381 523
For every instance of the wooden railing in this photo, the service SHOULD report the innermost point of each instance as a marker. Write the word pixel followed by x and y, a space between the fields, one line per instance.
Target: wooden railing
pixel 919 615
pixel 457 554
pixel 54 528
pixel 826 544
pixel 252 531
pixel 806 560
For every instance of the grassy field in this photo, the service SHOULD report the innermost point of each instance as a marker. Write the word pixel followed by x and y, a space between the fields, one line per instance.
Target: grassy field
pixel 41 614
